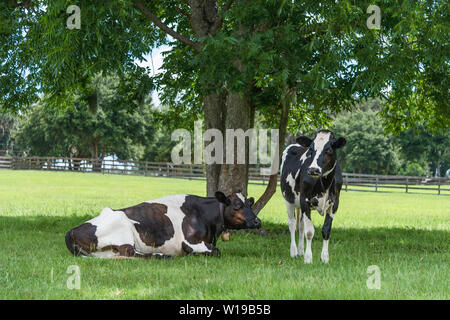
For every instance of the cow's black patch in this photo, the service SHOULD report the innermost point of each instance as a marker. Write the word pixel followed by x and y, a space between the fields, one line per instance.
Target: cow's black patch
pixel 154 226
pixel 203 220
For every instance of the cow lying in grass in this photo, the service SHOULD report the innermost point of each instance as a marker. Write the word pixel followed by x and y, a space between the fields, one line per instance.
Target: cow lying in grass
pixel 170 226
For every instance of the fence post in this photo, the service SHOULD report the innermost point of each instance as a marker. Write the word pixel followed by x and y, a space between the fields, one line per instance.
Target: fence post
pixel 407 185
pixel 376 184
pixel 439 186
pixel 346 183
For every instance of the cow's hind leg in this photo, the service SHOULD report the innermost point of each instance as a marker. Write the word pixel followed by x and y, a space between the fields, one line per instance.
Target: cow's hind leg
pixel 200 248
pixel 301 234
pixel 309 230
pixel 291 222
pixel 326 231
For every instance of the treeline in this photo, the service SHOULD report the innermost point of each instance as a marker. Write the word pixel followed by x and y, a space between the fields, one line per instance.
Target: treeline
pixel 370 149
pixel 114 125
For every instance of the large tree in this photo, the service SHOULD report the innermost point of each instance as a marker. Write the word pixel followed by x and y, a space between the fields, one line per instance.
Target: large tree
pixel 230 58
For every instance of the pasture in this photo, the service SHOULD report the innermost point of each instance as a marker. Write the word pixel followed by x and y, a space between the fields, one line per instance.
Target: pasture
pixel 405 235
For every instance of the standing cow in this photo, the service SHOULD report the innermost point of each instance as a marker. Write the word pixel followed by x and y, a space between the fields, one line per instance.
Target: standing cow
pixel 170 226
pixel 311 178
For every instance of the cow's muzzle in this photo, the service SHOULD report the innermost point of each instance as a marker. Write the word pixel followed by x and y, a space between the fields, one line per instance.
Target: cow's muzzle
pixel 314 172
pixel 255 224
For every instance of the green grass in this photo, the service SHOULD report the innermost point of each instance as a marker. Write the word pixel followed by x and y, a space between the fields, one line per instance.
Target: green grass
pixel 405 235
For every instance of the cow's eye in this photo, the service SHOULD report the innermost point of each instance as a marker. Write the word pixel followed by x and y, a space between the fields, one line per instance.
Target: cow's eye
pixel 329 151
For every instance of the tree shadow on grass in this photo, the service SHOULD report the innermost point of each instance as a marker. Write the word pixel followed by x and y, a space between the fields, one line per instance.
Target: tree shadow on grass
pixel 380 239
pixel 252 242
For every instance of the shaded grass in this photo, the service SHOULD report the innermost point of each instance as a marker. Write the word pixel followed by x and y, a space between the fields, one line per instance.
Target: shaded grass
pixel 406 236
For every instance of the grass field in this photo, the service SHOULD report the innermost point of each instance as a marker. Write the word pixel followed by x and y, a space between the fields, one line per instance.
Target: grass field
pixel 407 236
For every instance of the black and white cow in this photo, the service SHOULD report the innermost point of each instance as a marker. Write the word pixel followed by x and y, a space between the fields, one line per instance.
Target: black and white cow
pixel 311 178
pixel 169 226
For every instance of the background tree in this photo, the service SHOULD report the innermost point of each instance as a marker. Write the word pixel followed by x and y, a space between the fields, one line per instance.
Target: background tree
pixel 77 132
pixel 425 149
pixel 369 149
pixel 7 124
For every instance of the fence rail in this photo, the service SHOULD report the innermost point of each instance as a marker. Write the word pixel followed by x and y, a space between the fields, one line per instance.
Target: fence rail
pixel 352 181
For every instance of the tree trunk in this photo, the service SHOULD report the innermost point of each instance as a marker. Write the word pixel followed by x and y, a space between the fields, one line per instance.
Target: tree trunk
pixel 438 169
pixel 234 176
pixel 214 110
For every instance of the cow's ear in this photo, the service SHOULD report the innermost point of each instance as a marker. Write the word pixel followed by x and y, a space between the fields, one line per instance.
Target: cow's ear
pixel 304 141
pixel 250 201
pixel 339 143
pixel 220 196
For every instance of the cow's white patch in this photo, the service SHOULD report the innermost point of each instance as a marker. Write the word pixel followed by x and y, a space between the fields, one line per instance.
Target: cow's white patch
pixel 324 203
pixel 309 231
pixel 113 228
pixel 290 180
pixel 301 234
pixel 198 247
pixel 324 256
pixel 241 197
pixel 292 225
pixel 319 143
pixel 105 254
pixel 303 157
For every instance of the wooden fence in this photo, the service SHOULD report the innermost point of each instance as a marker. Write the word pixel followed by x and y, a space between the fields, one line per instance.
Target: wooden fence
pixel 352 182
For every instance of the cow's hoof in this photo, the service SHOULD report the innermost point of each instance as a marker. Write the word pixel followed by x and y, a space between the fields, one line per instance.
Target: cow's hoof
pixel 214 252
pixel 293 251
pixel 308 258
pixel 324 257
pixel 160 256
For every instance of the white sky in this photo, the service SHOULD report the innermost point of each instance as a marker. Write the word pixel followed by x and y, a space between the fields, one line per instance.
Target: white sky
pixel 154 61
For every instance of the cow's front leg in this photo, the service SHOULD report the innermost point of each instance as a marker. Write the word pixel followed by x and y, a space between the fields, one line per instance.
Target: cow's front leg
pixel 200 248
pixel 301 234
pixel 308 229
pixel 326 230
pixel 291 222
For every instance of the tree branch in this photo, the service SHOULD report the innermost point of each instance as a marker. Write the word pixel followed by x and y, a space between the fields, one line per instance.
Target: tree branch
pixel 183 12
pixel 273 180
pixel 218 24
pixel 165 28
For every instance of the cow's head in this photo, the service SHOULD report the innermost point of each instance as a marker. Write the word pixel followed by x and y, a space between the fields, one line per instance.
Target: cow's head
pixel 322 149
pixel 238 212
